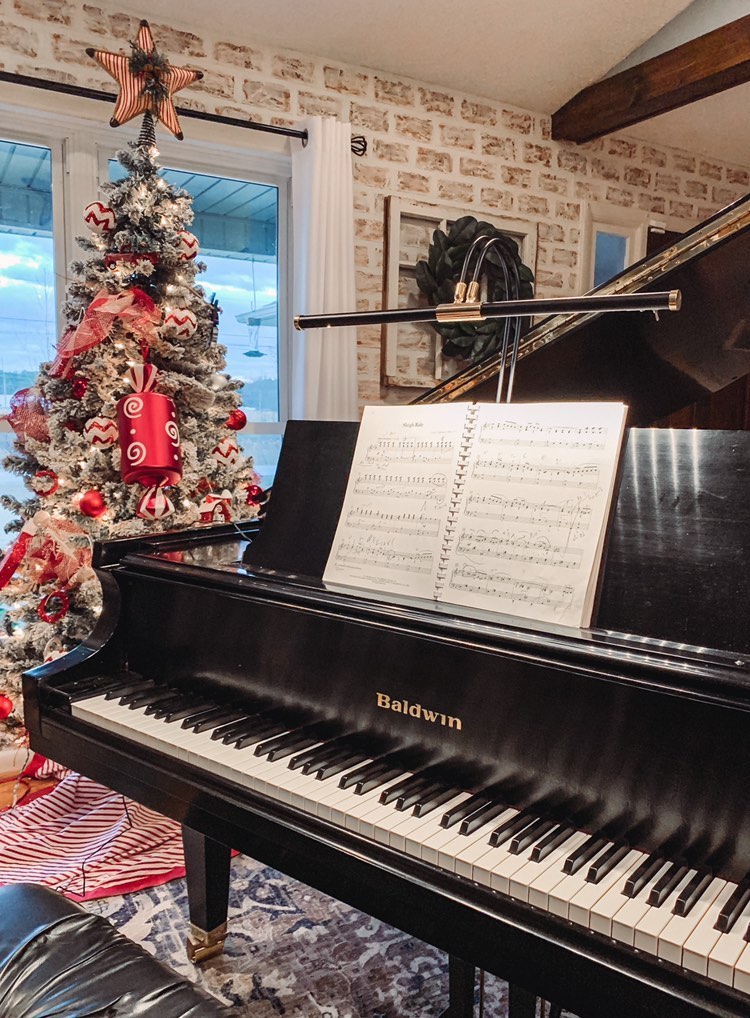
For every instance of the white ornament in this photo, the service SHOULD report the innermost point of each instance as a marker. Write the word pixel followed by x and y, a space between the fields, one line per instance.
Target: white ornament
pixel 187 246
pixel 226 452
pixel 181 321
pixel 101 432
pixel 99 217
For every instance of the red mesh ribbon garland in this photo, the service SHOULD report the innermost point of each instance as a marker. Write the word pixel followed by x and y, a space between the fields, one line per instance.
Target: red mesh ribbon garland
pixel 149 436
pixel 28 416
pixel 132 307
pixel 49 545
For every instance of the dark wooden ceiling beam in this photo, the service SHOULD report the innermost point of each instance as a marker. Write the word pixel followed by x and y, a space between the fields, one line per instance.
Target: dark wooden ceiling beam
pixel 701 67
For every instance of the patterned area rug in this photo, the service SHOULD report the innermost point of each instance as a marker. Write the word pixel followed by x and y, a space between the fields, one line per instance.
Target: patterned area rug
pixel 294 951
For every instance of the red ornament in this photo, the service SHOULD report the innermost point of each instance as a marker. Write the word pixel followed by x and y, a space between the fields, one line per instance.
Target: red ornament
pixel 92 504
pixel 28 415
pixel 6 707
pixel 79 387
pixel 15 555
pixel 53 606
pixel 149 436
pixel 72 425
pixel 236 420
pixel 254 494
pixel 45 483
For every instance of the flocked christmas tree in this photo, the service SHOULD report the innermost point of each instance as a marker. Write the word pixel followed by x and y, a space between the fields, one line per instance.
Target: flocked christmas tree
pixel 132 427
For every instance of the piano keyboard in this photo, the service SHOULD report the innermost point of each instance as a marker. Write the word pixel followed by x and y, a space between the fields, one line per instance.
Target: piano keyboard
pixel 670 909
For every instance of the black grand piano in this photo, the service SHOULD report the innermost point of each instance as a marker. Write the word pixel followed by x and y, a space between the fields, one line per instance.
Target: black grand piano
pixel 584 831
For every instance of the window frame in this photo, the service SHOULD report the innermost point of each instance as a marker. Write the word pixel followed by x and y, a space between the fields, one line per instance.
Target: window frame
pixel 80 150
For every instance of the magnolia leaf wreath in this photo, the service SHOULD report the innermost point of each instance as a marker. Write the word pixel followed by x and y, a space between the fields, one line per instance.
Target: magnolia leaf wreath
pixel 438 274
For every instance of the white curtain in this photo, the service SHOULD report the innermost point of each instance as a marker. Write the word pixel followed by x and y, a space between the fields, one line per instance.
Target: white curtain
pixel 324 361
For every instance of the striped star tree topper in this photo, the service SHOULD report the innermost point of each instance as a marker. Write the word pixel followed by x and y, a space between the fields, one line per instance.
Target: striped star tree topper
pixel 147 81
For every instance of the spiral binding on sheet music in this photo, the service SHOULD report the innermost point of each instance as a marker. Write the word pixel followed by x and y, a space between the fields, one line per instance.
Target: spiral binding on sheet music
pixel 467 437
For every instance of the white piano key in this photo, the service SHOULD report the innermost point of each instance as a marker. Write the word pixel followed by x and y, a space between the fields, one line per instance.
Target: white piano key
pixel 679 928
pixel 609 906
pixel 561 895
pixel 702 940
pixel 625 921
pixel 653 922
pixel 414 842
pixel 411 825
pixel 543 885
pixel 742 971
pixel 724 955
pixel 524 880
pixel 459 853
pixel 579 910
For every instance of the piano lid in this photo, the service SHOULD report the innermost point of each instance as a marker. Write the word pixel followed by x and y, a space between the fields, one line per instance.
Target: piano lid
pixel 655 366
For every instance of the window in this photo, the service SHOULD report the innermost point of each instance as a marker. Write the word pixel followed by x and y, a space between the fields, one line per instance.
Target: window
pixel 238 220
pixel 50 170
pixel 612 239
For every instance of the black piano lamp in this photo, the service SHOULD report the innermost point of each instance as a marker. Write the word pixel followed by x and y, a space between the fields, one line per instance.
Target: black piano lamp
pixel 466 307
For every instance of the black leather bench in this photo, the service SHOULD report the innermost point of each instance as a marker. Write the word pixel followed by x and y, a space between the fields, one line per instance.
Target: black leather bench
pixel 57 959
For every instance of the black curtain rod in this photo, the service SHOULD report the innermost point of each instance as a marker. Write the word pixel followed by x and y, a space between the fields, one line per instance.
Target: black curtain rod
pixel 359 143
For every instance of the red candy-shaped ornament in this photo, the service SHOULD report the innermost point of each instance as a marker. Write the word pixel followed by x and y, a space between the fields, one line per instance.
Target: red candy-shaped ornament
pixel 6 707
pixel 149 436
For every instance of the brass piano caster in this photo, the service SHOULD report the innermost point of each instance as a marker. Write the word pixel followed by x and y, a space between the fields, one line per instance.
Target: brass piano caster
pixel 202 945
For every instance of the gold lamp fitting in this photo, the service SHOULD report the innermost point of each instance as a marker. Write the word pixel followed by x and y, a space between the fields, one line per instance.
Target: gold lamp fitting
pixel 460 293
pixel 472 294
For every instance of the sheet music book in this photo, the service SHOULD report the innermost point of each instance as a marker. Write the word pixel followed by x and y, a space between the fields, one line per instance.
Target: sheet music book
pixel 502 507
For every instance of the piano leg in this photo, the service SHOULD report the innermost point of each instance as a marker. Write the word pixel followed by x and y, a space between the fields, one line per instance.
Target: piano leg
pixel 207 870
pixel 521 1003
pixel 460 989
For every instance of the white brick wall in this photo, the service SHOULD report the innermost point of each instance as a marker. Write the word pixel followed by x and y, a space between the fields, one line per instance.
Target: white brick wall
pixel 424 141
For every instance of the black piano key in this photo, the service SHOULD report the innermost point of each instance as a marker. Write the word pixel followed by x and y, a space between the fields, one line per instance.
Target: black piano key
pixel 667 883
pixel 250 738
pixel 643 874
pixel 590 848
pixel 222 717
pixel 481 816
pixel 531 834
pixel 84 689
pixel 129 687
pixel 556 837
pixel 411 798
pixel 227 731
pixel 186 709
pixel 692 892
pixel 334 767
pixel 428 803
pixel 734 907
pixel 402 788
pixel 175 702
pixel 284 745
pixel 607 861
pixel 465 809
pixel 511 827
pixel 136 700
pixel 198 712
pixel 376 779
pixel 313 758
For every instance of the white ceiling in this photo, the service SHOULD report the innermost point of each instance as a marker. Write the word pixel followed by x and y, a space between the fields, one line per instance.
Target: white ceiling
pixel 535 54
